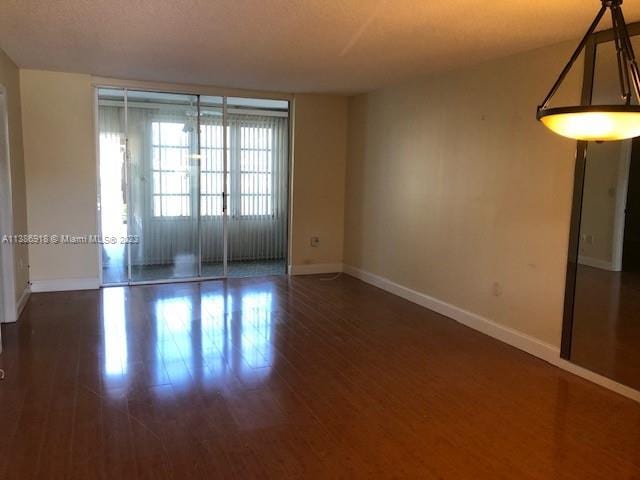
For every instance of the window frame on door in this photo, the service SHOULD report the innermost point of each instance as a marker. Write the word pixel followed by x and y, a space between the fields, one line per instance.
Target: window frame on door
pixel 158 171
pixel 238 170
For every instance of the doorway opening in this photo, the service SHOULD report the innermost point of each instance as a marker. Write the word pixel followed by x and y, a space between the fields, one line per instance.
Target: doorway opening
pixel 631 242
pixel 191 186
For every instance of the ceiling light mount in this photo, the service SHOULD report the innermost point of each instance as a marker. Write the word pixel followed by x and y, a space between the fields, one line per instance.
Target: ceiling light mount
pixel 600 122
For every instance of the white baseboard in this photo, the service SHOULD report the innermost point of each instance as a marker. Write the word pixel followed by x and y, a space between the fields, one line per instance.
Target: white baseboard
pixel 522 341
pixel 315 268
pixel 64 284
pixel 505 334
pixel 596 263
pixel 598 379
pixel 18 305
pixel 22 301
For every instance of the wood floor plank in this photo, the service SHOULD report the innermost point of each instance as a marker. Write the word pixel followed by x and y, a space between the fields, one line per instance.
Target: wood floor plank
pixel 297 377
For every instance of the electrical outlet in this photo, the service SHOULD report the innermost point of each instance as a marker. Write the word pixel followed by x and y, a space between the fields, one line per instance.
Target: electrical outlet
pixel 315 241
pixel 586 238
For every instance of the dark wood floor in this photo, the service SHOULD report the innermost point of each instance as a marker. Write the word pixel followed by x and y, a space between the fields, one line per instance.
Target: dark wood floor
pixel 606 324
pixel 300 378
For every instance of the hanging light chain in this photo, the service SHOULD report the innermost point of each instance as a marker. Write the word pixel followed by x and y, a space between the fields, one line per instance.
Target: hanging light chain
pixel 600 122
pixel 621 32
pixel 623 66
pixel 628 72
pixel 574 57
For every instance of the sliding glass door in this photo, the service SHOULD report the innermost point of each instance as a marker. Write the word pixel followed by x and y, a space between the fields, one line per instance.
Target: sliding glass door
pixel 163 185
pixel 257 214
pixel 213 172
pixel 191 186
pixel 112 204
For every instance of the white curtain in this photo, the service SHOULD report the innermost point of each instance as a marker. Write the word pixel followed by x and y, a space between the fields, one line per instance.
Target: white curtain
pixel 163 187
pixel 257 185
pixel 111 141
pixel 259 225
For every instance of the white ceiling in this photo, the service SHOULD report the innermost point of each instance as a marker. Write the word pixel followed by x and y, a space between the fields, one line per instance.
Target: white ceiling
pixel 283 45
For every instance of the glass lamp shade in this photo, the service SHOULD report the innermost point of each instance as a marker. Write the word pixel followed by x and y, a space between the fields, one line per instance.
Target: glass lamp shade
pixel 593 123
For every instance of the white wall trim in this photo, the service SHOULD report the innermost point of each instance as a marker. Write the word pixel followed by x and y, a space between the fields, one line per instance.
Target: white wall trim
pixel 65 284
pixel 7 250
pixel 22 301
pixel 595 262
pixel 522 341
pixel 597 379
pixel 109 82
pixel 619 217
pixel 505 334
pixel 315 268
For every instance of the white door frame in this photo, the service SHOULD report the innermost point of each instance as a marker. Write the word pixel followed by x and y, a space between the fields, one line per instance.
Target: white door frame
pixel 620 205
pixel 8 291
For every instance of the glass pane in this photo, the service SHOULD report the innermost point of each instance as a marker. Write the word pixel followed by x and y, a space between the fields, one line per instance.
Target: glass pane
pixel 176 178
pixel 212 160
pixel 174 182
pixel 175 134
pixel 157 205
pixel 175 206
pixel 256 138
pixel 256 205
pixel 255 183
pixel 258 182
pixel 174 158
pixel 113 207
pixel 259 103
pixel 163 145
pixel 211 136
pixel 605 334
pixel 255 160
pixel 211 205
pixel 211 182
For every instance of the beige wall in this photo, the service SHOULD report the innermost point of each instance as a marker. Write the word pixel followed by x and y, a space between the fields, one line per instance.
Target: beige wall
pixel 60 164
pixel 454 190
pixel 320 143
pixel 61 173
pixel 9 78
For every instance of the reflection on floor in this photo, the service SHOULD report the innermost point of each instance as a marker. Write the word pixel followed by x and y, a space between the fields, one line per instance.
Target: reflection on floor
pixel 288 378
pixel 606 327
pixel 236 269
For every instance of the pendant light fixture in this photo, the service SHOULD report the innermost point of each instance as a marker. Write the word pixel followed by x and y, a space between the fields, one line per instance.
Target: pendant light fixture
pixel 600 122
